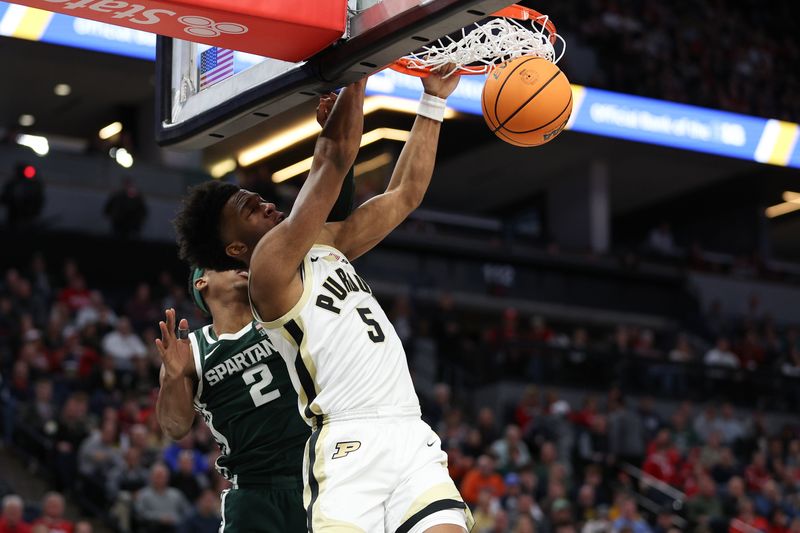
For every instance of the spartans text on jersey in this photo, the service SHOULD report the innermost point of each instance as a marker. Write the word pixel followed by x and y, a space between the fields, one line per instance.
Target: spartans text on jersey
pixel 241 361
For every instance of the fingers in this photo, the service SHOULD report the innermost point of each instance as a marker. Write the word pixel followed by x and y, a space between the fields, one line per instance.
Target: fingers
pixel 183 330
pixel 164 334
pixel 171 320
pixel 161 349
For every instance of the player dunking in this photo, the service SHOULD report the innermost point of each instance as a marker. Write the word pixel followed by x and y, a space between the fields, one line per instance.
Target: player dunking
pixel 371 463
pixel 230 372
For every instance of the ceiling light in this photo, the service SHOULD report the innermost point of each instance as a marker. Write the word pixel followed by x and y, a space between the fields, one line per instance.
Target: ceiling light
pixel 791 196
pixel 219 169
pixel 782 209
pixel 27 120
pixel 286 138
pixel 62 89
pixel 109 131
pixel 279 141
pixel 35 142
pixel 368 138
pixel 123 157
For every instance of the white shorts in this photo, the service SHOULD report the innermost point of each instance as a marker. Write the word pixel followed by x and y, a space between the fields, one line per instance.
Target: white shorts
pixel 375 474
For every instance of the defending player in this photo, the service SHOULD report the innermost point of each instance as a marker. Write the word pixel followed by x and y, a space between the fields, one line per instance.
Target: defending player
pixel 371 463
pixel 230 373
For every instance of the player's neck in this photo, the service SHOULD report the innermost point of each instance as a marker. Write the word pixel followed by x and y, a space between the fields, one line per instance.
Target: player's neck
pixel 231 317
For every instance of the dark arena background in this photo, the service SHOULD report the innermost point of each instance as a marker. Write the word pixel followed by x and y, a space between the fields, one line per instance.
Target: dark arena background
pixel 604 331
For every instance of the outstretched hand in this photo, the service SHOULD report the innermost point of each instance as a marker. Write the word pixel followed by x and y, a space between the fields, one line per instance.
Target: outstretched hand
pixel 438 83
pixel 176 353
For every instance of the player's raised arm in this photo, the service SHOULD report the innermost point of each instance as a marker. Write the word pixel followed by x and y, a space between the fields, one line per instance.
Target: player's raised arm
pixel 376 218
pixel 175 404
pixel 278 255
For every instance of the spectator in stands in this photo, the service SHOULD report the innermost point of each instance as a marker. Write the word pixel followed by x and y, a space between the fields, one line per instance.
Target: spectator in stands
pixel 730 426
pixel 746 521
pixel 23 196
pixel 629 518
pixel 186 444
pixel 721 355
pixel 53 514
pixel 99 454
pixel 123 345
pixel 158 506
pixel 40 413
pixel 148 443
pixel 83 527
pixel 726 468
pixel 756 474
pixel 142 310
pixel 661 242
pixel 600 523
pixel 126 209
pixel 75 295
pixel 11 520
pixel 705 506
pixel 483 511
pixel 185 479
pixel 751 351
pixel 72 430
pixel 625 433
pixel 205 518
pixel 96 312
pixel 483 476
pixel 662 458
pixel 511 452
pixel 770 500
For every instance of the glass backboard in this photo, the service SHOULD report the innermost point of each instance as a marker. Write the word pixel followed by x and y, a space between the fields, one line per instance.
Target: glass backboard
pixel 207 94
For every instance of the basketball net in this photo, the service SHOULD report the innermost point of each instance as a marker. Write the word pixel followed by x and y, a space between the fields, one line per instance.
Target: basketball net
pixel 486 45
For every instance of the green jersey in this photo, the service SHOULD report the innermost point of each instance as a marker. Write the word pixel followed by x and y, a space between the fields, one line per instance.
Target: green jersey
pixel 247 399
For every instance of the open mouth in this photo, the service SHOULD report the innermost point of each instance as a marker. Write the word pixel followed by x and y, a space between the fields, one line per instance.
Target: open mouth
pixel 243 273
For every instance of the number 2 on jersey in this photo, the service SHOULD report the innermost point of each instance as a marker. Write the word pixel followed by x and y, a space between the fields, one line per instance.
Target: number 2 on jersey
pixel 259 386
pixel 375 333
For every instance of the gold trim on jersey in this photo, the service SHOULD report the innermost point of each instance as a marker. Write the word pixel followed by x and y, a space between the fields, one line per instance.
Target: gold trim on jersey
pixel 319 522
pixel 331 248
pixel 308 363
pixel 294 312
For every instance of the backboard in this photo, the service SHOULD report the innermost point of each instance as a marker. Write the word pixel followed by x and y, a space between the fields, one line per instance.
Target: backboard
pixel 196 110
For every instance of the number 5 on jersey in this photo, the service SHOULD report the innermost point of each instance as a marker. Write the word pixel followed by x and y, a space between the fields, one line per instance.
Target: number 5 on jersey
pixel 260 377
pixel 375 332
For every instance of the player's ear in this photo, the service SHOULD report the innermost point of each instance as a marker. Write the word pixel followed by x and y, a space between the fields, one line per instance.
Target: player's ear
pixel 236 249
pixel 201 283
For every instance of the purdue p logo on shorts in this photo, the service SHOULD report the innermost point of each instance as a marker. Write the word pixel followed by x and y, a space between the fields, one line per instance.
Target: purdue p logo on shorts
pixel 344 448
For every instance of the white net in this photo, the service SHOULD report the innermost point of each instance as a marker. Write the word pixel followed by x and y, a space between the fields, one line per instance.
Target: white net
pixel 486 45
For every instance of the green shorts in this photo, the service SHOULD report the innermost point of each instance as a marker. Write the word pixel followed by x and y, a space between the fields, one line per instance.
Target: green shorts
pixel 269 509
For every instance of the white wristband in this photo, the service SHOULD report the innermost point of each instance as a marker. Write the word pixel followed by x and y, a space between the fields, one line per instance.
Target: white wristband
pixel 432 107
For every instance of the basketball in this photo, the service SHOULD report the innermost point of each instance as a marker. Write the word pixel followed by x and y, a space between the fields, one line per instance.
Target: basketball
pixel 527 101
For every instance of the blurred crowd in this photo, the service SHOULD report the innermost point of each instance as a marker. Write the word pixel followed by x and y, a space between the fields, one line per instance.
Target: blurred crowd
pixel 79 378
pixel 722 53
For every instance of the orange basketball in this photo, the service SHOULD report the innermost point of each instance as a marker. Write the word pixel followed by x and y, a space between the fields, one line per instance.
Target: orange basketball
pixel 527 101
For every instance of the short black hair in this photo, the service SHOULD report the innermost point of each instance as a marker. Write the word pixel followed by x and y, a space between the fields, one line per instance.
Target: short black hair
pixel 198 226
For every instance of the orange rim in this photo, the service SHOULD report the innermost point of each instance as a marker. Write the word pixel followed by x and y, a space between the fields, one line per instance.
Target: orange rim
pixel 515 11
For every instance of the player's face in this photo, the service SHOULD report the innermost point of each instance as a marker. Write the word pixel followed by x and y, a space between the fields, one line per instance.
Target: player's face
pixel 227 285
pixel 246 218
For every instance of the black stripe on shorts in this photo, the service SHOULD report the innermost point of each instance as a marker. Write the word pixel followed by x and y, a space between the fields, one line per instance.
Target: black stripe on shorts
pixel 435 507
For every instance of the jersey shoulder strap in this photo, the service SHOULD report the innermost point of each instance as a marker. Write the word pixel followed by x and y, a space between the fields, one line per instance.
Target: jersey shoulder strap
pixel 306 278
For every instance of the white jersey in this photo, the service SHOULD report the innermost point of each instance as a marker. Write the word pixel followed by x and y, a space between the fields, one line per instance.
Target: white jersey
pixel 341 350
